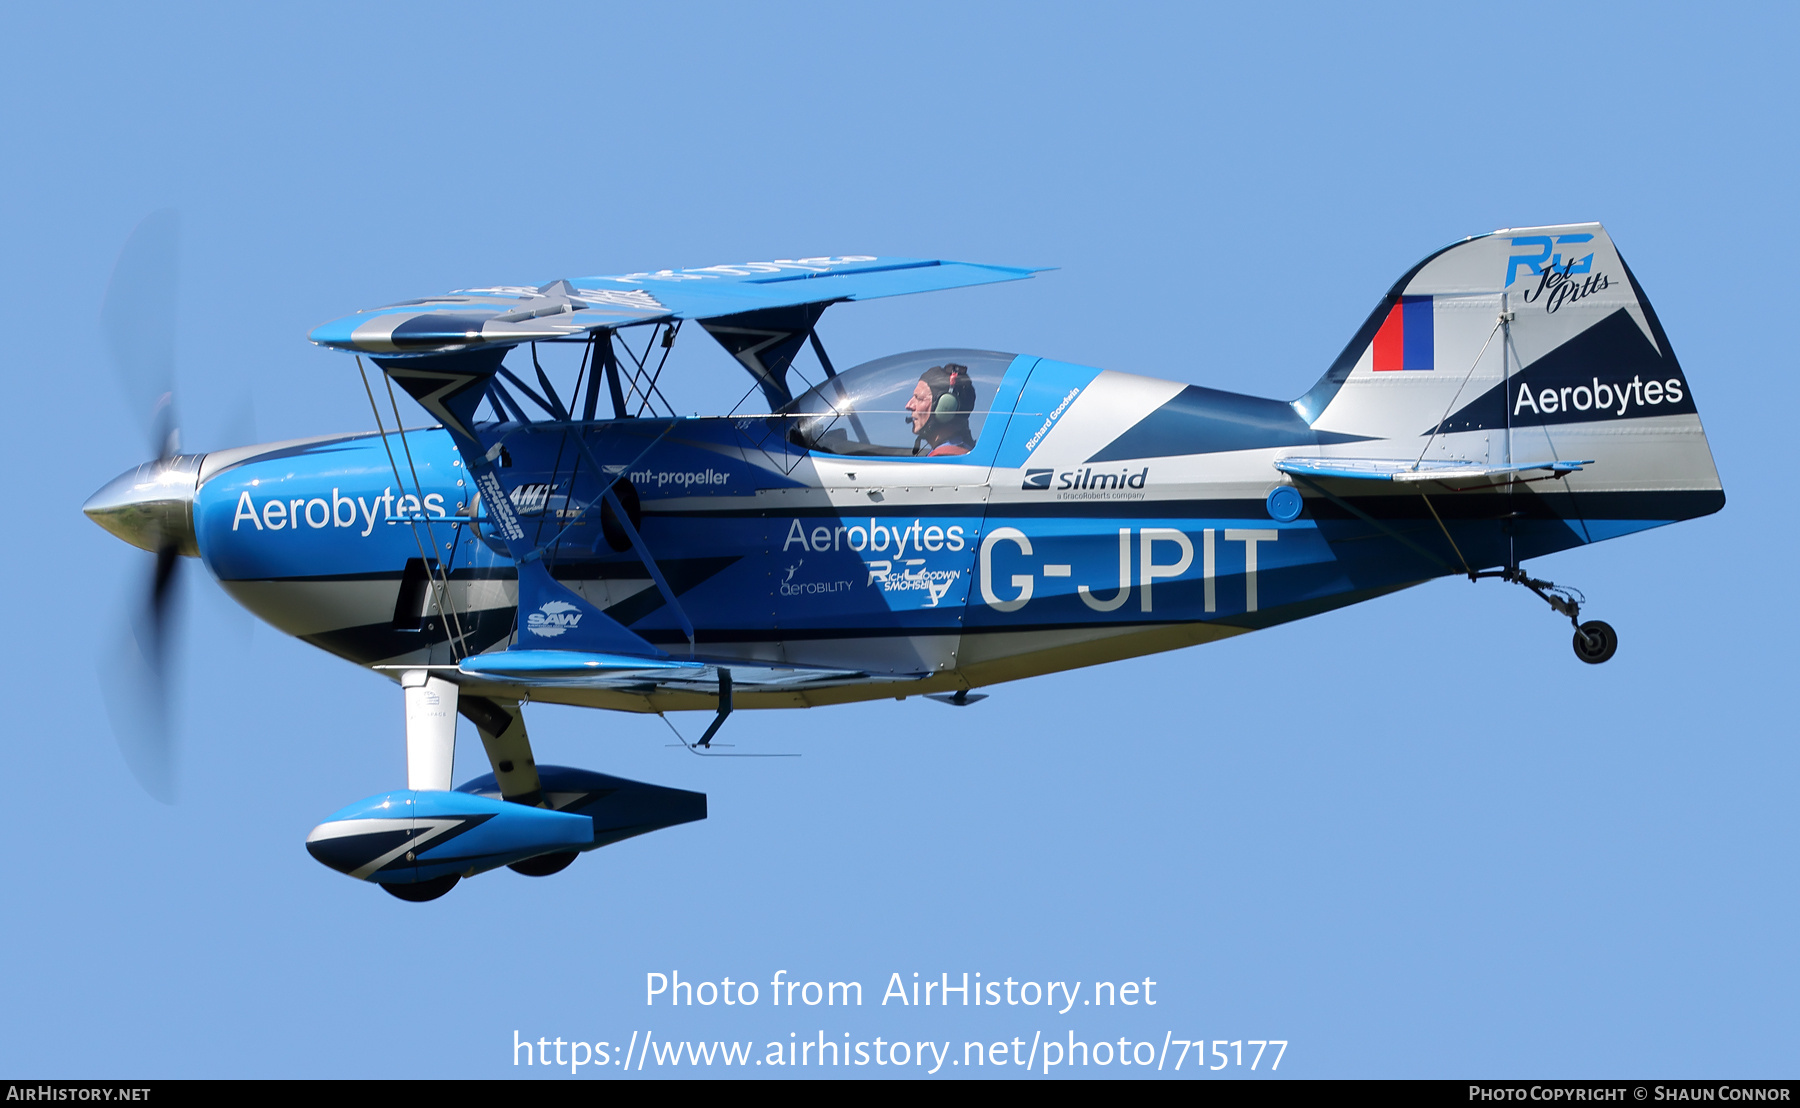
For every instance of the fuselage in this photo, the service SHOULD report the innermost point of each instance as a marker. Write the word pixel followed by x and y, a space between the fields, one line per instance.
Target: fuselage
pixel 1100 515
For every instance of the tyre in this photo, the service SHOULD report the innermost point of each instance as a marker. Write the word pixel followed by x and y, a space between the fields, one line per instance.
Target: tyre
pixel 1595 642
pixel 420 891
pixel 544 864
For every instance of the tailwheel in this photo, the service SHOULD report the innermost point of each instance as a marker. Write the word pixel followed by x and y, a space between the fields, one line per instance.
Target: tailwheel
pixel 420 891
pixel 544 864
pixel 1595 641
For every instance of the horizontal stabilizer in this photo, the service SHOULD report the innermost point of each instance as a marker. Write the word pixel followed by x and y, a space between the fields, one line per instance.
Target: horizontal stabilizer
pixel 1413 470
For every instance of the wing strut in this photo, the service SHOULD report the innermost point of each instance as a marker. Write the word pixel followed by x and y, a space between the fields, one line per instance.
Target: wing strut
pixel 612 378
pixel 637 541
pixel 556 403
pixel 590 365
pixel 819 349
pixel 831 375
pixel 643 553
pixel 553 410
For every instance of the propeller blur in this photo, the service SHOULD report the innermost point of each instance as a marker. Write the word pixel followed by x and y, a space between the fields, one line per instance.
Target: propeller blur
pixel 150 507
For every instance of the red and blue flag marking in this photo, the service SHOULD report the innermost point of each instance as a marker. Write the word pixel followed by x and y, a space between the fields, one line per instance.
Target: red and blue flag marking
pixel 1407 338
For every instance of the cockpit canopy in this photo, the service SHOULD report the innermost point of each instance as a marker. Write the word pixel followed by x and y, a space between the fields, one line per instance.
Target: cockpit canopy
pixel 864 411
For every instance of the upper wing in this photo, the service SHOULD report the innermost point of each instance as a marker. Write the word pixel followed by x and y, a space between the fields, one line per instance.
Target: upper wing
pixel 504 316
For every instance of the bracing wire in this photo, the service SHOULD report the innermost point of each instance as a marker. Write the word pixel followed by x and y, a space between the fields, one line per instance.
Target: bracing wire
pixel 453 619
pixel 1435 431
pixel 425 556
pixel 694 749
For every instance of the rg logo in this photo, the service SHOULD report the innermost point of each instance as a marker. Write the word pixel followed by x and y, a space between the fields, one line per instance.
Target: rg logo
pixel 1539 251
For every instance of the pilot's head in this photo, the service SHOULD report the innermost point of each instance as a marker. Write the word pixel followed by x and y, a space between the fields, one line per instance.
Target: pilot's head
pixel 941 401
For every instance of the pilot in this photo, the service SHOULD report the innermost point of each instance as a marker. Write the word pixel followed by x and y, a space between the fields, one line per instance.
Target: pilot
pixel 939 411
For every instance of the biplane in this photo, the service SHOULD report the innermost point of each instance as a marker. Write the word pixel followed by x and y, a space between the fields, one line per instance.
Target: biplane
pixel 931 523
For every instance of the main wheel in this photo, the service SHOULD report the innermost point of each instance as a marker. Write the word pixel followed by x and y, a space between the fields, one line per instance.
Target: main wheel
pixel 420 891
pixel 1595 642
pixel 544 864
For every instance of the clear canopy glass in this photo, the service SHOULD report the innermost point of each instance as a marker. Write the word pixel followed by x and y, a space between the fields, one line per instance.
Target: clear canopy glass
pixel 896 406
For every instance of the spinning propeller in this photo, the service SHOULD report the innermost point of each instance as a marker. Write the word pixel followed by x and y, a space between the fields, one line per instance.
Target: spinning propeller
pixel 150 506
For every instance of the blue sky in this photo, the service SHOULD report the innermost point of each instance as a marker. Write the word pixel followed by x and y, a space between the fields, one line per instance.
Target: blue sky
pixel 1412 838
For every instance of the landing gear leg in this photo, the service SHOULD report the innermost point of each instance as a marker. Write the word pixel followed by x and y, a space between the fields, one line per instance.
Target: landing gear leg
pixel 502 727
pixel 503 736
pixel 1595 640
pixel 430 730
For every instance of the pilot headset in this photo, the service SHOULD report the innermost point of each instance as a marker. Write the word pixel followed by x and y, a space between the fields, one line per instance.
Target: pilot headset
pixel 949 405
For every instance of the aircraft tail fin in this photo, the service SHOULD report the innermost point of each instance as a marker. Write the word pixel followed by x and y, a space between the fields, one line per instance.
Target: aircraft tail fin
pixel 1528 345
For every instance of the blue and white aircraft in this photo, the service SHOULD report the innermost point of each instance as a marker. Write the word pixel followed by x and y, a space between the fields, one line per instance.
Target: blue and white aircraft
pixel 930 523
